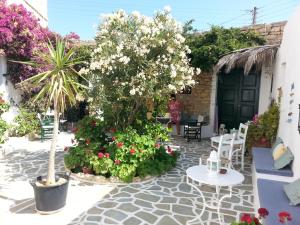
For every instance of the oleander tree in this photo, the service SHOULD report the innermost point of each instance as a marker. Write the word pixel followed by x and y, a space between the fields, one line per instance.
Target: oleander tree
pixel 137 58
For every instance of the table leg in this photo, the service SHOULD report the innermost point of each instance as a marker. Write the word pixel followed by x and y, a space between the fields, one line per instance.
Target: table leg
pixel 198 218
pixel 221 218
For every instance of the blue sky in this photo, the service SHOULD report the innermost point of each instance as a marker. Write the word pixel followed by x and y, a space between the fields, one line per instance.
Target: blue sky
pixel 82 16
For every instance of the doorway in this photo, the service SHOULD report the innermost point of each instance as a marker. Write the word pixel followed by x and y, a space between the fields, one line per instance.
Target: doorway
pixel 238 97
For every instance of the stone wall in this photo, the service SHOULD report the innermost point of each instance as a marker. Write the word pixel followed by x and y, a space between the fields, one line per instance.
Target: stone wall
pixel 198 102
pixel 271 32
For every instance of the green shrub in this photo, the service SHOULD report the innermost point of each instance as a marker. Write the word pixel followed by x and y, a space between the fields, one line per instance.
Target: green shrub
pixel 26 122
pixel 4 107
pixel 3 128
pixel 125 155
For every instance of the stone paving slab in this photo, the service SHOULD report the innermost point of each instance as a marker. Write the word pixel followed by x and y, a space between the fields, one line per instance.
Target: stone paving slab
pixel 164 200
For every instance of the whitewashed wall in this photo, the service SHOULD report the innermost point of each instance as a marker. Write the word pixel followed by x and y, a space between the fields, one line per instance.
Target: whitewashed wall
pixel 287 73
pixel 265 96
pixel 10 94
pixel 38 7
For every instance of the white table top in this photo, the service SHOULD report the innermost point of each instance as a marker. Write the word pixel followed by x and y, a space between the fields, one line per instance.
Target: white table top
pixel 200 174
pixel 227 140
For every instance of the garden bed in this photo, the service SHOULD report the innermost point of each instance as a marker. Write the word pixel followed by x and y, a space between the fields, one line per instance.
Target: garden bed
pixel 96 179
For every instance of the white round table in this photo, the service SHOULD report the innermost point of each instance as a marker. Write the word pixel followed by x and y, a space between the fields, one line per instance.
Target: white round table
pixel 198 175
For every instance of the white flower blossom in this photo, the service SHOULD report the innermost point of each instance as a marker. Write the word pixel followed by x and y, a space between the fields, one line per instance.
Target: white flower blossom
pixel 167 8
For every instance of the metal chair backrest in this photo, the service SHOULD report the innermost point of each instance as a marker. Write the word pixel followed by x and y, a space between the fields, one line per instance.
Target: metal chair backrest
pixel 223 149
pixel 242 133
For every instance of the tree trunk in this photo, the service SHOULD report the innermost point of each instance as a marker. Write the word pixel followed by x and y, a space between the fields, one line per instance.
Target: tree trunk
pixel 51 165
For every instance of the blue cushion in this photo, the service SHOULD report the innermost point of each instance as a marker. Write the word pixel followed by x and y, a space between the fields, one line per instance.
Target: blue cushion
pixel 276 201
pixel 264 163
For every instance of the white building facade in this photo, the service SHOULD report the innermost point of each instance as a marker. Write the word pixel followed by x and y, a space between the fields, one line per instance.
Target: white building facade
pixel 287 84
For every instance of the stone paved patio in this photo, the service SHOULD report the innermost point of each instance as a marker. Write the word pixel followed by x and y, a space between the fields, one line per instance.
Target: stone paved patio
pixel 166 200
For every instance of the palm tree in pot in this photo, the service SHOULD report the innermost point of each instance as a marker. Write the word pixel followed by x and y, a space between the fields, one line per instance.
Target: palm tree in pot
pixel 59 85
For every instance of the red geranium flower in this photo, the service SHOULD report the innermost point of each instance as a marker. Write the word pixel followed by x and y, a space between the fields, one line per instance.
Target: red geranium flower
pixel 100 155
pixel 120 144
pixel 113 138
pixel 246 218
pixel 256 221
pixel 113 130
pixel 284 216
pixel 107 155
pixel 157 145
pixel 66 149
pixel 263 212
pixel 87 141
pixel 132 151
pixel 117 161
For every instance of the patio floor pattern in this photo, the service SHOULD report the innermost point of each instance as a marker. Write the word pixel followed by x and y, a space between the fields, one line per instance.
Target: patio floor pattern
pixel 165 200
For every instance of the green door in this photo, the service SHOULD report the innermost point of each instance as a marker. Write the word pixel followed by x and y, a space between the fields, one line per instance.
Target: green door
pixel 238 97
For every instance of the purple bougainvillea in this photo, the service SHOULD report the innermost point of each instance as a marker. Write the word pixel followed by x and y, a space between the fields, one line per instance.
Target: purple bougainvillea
pixel 22 38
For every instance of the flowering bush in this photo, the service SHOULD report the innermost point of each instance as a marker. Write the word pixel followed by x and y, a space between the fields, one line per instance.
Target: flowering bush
pixel 126 154
pixel 137 57
pixel 21 39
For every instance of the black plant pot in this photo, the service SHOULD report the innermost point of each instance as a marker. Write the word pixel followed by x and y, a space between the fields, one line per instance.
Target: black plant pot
pixel 50 199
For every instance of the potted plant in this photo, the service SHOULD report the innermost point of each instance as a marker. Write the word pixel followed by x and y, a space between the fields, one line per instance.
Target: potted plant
pixel 59 85
pixel 263 128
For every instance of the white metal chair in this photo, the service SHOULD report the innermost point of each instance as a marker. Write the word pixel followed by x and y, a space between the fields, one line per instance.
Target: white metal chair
pixel 224 151
pixel 240 150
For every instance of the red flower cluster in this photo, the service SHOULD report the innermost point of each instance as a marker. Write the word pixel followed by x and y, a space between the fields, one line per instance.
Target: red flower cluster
pixel 263 212
pixel 157 145
pixel 117 162
pixel 120 144
pixel 132 151
pixel 100 155
pixel 248 219
pixel 284 217
pixel 113 138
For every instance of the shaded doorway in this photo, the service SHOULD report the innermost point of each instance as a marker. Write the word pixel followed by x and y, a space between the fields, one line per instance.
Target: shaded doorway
pixel 238 97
